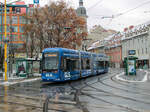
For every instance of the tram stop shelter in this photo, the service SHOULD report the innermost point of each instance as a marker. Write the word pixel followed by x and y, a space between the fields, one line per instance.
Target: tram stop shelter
pixel 130 65
pixel 25 67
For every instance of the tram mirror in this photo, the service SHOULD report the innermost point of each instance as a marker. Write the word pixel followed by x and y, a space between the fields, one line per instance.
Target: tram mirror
pixel 40 66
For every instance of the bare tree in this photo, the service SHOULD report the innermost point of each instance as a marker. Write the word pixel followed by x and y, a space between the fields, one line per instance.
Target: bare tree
pixel 54 25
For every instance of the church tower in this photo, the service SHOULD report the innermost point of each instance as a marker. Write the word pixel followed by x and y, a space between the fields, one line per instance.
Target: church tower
pixel 81 12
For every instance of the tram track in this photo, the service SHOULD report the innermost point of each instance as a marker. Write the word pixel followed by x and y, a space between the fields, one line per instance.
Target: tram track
pixel 79 92
pixel 109 102
pixel 33 100
pixel 27 105
pixel 112 94
pixel 129 91
pixel 100 90
pixel 101 82
pixel 118 82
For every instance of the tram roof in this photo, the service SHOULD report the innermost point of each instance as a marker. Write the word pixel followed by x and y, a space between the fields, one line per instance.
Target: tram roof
pixel 72 51
pixel 59 50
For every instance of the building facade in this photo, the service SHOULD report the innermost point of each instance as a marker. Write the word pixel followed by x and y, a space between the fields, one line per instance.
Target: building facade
pixel 98 33
pixel 138 39
pixel 113 49
pixel 15 21
pixel 97 47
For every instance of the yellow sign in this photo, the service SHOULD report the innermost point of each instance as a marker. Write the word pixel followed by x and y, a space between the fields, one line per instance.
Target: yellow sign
pixel 50 55
pixel 20 55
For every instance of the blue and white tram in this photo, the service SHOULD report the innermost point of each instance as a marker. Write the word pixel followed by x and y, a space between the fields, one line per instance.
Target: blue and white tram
pixel 61 64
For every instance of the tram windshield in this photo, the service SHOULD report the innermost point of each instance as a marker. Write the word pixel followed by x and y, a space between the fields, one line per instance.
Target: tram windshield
pixel 50 61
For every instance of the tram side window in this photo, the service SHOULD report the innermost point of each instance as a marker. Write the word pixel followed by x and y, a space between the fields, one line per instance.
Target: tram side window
pixel 85 63
pixel 71 64
pixel 106 64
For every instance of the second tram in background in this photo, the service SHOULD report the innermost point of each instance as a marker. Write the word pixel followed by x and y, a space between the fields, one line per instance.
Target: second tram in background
pixel 61 64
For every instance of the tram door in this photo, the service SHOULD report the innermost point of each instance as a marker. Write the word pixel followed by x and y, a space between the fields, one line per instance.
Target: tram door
pixel 71 65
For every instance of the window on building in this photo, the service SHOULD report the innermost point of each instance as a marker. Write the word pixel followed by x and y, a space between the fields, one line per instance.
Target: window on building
pixel 21 29
pixel 14 28
pixel 14 20
pixel 0 19
pixel 8 28
pixel 22 20
pixel 133 41
pixel 146 39
pixel 22 37
pixel 146 51
pixel 18 10
pixel 8 20
pixel 142 51
pixel 12 37
pixel 1 28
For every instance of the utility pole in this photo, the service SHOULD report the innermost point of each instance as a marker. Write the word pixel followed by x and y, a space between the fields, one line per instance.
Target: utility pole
pixel 5 45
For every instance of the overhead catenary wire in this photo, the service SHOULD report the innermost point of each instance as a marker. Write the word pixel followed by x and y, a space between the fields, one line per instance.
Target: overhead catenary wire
pixel 127 11
pixel 145 3
pixel 120 14
pixel 123 13
pixel 93 6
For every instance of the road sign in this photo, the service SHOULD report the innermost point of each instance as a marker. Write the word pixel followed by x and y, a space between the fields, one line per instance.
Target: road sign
pixel 36 1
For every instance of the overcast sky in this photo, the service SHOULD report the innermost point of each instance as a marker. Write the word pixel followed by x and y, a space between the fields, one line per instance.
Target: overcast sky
pixel 124 12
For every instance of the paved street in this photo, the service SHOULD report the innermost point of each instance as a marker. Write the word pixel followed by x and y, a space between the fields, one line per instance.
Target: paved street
pixel 103 93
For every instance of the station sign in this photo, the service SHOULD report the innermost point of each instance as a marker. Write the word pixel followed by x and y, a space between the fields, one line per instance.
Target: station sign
pixel 50 55
pixel 132 52
pixel 36 1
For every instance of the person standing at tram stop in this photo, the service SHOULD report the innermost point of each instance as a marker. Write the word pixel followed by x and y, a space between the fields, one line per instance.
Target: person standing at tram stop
pixel 21 68
pixel 145 66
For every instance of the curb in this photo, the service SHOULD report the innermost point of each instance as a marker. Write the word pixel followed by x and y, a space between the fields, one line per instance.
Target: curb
pixel 132 81
pixel 16 82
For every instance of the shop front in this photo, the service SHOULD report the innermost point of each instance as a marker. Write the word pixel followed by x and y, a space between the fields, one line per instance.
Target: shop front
pixel 143 64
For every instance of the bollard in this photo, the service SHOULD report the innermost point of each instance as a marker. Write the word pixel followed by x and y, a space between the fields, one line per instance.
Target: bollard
pixel 45 105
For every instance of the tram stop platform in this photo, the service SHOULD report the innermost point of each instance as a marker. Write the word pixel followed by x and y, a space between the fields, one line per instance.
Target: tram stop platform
pixel 15 80
pixel 141 76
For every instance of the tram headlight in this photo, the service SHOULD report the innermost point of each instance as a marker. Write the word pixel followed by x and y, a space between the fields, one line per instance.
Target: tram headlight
pixel 50 75
pixel 47 75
